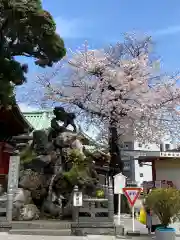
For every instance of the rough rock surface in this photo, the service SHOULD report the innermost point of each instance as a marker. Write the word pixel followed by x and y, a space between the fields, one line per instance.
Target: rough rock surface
pixel 49 171
pixel 29 212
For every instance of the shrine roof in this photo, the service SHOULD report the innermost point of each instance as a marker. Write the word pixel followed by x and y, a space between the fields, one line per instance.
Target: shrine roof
pixel 39 119
pixel 12 123
pixel 42 120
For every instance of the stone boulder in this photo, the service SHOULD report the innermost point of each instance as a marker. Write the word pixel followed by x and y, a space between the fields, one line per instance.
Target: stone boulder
pixel 29 212
pixel 65 139
pixel 41 141
pixel 31 180
pixel 39 163
pixel 36 183
pixel 61 186
pixel 22 197
pixel 52 208
pixel 77 144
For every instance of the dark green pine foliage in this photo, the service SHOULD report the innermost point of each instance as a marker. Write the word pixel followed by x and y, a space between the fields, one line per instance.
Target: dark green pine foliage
pixel 25 30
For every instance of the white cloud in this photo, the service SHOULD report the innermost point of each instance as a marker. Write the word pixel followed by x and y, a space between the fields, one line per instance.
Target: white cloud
pixel 73 28
pixel 27 108
pixel 68 28
pixel 166 31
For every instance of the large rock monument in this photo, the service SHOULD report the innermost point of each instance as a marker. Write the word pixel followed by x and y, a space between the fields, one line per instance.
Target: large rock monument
pixel 51 165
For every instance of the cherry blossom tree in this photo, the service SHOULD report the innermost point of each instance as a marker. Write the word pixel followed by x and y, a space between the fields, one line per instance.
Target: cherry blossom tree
pixel 122 91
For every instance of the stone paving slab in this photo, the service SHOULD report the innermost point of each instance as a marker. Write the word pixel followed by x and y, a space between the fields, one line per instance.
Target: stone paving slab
pixel 127 223
pixel 6 236
pixel 100 237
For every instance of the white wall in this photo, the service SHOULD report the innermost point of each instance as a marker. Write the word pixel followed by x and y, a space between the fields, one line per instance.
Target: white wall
pixel 145 169
pixel 149 147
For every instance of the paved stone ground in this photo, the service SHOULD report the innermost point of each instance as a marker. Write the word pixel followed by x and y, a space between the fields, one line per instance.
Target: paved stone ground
pixel 127 222
pixel 6 236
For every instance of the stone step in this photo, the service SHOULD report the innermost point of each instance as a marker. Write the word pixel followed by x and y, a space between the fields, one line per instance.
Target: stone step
pixel 41 232
pixel 54 225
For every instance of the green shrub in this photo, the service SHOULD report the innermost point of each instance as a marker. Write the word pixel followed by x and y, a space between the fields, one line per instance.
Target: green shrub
pixel 27 155
pixel 165 203
pixel 100 193
pixel 76 157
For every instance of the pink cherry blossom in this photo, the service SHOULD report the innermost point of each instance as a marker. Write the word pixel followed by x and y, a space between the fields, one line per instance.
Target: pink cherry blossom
pixel 123 86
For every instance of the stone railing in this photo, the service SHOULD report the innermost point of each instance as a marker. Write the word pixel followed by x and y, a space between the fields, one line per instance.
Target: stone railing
pixel 96 215
pixel 95 209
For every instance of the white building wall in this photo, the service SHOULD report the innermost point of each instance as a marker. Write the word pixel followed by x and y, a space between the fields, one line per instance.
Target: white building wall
pixel 146 170
pixel 144 173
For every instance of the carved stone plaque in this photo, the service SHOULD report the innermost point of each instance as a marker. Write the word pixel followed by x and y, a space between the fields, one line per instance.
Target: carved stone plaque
pixel 13 175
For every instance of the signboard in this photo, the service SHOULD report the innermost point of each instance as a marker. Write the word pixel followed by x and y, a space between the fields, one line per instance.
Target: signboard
pixel 169 154
pixel 119 183
pixel 143 153
pixel 157 184
pixel 134 153
pixel 77 199
pixel 132 194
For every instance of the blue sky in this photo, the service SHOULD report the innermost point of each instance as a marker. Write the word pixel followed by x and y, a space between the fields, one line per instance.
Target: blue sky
pixel 102 22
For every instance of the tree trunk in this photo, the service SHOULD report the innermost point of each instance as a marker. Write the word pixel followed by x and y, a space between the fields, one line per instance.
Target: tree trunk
pixel 116 165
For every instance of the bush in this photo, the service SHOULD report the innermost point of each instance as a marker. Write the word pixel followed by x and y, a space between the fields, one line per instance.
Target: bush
pixel 100 193
pixel 165 203
pixel 76 157
pixel 27 155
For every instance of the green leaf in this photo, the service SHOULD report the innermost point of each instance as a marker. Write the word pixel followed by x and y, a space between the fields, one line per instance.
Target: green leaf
pixel 25 30
pixel 165 203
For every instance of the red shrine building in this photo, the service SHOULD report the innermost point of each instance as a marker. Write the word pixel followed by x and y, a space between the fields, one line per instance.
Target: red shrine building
pixel 12 123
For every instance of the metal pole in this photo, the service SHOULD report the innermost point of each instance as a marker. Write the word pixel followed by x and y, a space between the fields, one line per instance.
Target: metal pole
pixel 133 225
pixel 119 208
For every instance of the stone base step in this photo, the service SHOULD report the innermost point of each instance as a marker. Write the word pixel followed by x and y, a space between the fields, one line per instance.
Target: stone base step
pixel 51 225
pixel 41 232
